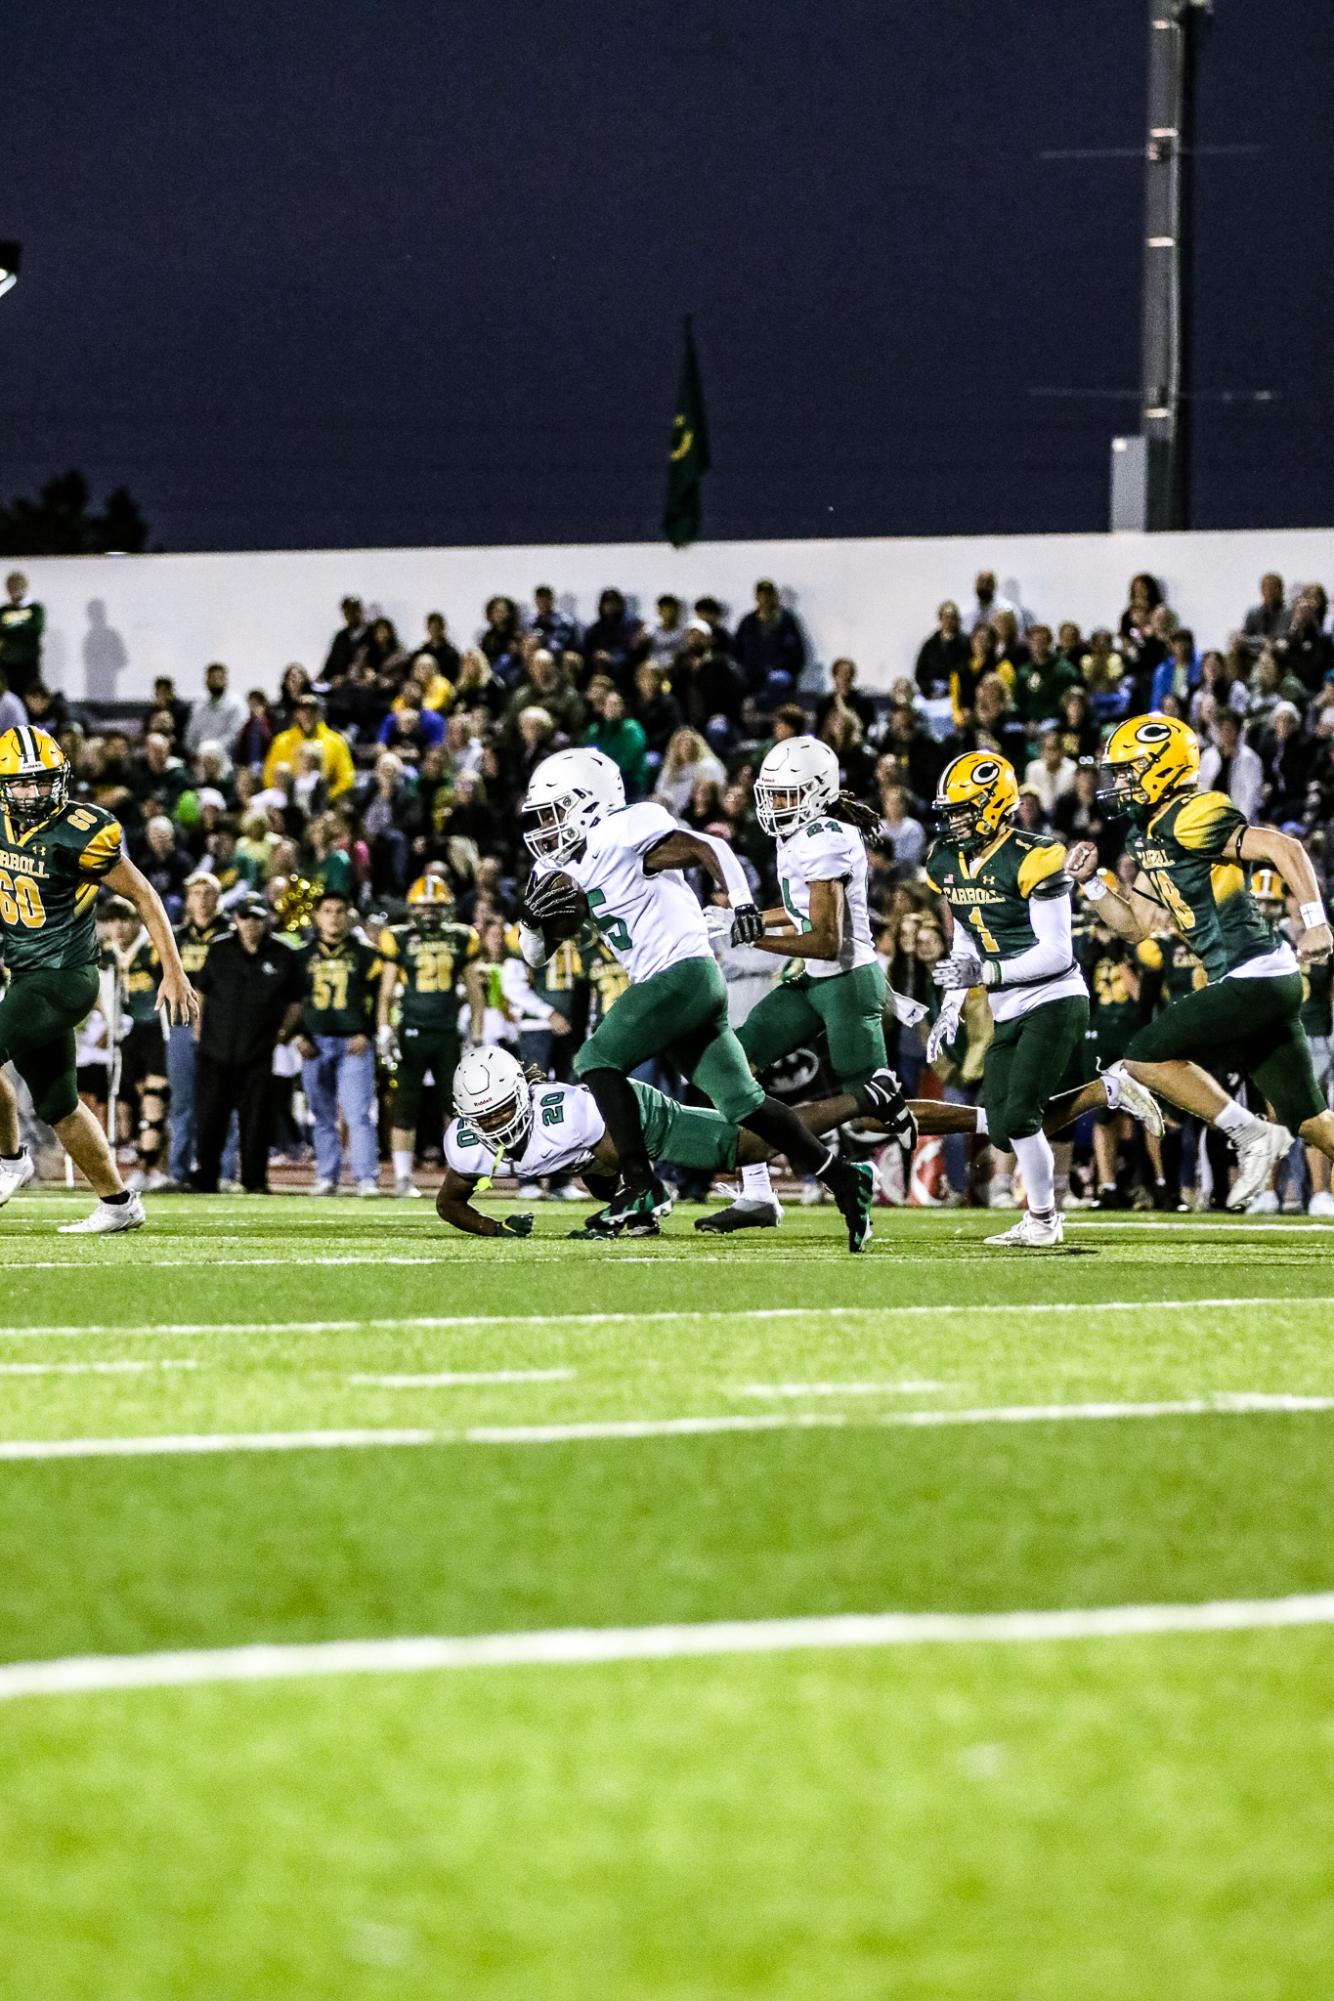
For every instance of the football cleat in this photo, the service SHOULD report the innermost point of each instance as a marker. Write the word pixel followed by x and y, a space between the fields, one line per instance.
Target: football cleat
pixel 368 1188
pixel 1259 1152
pixel 597 1229
pixel 742 1215
pixel 1265 1204
pixel 404 1190
pixel 853 1188
pixel 325 1187
pixel 1321 1205
pixel 107 1218
pixel 634 1212
pixel 1032 1233
pixel 15 1174
pixel 1126 1094
pixel 881 1098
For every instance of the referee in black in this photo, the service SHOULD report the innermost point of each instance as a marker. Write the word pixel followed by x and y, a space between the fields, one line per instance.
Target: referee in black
pixel 253 987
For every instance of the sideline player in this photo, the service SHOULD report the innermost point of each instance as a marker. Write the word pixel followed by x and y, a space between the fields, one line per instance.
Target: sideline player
pixel 426 956
pixel 144 1090
pixel 824 922
pixel 1192 849
pixel 54 857
pixel 627 861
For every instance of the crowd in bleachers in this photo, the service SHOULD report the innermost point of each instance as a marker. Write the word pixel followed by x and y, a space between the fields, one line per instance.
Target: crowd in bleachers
pixel 389 753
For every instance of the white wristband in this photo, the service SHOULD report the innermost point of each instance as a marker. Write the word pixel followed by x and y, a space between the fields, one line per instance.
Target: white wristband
pixel 1312 916
pixel 1095 889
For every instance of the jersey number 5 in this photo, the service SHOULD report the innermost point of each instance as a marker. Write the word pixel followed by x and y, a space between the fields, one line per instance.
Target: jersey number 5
pixel 611 928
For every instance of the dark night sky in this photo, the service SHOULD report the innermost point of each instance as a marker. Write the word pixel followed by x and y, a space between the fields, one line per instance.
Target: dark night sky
pixel 413 273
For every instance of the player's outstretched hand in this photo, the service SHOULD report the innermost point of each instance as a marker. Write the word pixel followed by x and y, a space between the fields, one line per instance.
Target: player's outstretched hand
pixel 961 970
pixel 178 998
pixel 1314 946
pixel 1082 861
pixel 517 1226
pixel 747 924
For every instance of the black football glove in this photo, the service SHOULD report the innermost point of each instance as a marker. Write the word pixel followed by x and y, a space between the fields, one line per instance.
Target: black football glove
pixel 551 899
pixel 747 924
pixel 516 1226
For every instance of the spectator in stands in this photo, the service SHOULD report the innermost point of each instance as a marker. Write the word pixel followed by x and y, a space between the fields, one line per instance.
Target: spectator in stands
pixel 1042 680
pixel 616 641
pixel 1179 673
pixel 688 761
pixel 668 636
pixel 390 656
pixel 479 690
pixel 709 609
pixel 1305 647
pixel 844 694
pixel 47 708
pixel 906 834
pixel 256 732
pixel 1012 653
pixel 22 623
pixel 657 711
pixel 994 725
pixel 1102 670
pixel 1080 730
pixel 426 687
pixel 165 862
pixel 294 685
pixel 770 649
pixel 1051 774
pixel 708 686
pixel 1216 691
pixel 1230 765
pixel 911 758
pixel 1077 816
pixel 619 737
pixel 843 733
pixel 349 640
pixel 500 637
pixel 13 715
pixel 440 647
pixel 1148 654
pixel 309 728
pixel 1269 619
pixel 165 698
pixel 943 654
pixel 357 704
pixel 544 686
pixel 986 603
pixel 411 732
pixel 157 776
pixel 219 716
pixel 1288 759
pixel 965 683
pixel 1269 684
pixel 558 633
pixel 1144 599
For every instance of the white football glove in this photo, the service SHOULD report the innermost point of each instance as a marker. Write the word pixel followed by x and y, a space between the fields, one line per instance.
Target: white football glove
pixel 960 970
pixel 946 1025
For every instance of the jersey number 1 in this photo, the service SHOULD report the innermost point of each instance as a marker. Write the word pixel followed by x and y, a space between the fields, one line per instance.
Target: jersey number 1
pixel 988 940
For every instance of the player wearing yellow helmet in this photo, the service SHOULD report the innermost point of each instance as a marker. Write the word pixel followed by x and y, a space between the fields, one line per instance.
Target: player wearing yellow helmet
pixel 424 960
pixel 54 857
pixel 1192 851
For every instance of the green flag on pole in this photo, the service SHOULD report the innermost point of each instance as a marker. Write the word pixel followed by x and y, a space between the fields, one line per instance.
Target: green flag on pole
pixel 688 453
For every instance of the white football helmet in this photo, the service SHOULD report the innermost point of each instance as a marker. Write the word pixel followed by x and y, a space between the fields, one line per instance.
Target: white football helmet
pixel 796 783
pixel 492 1094
pixel 567 795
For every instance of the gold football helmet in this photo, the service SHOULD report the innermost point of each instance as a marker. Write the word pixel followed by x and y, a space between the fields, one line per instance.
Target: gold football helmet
pixel 34 775
pixel 1270 892
pixel 1147 760
pixel 977 794
pixel 431 902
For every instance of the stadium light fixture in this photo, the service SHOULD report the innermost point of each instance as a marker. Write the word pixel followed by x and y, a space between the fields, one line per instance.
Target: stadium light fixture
pixel 9 267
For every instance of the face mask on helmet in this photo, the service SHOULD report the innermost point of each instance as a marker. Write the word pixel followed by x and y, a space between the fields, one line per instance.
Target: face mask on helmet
pixel 781 809
pixel 1121 793
pixel 548 832
pixel 492 1094
pixel 507 1124
pixel 32 796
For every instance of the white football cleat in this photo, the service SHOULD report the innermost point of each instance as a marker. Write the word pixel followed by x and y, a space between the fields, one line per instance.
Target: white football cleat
pixel 15 1174
pixel 1321 1205
pixel 1126 1094
pixel 404 1190
pixel 1258 1154
pixel 1265 1204
pixel 107 1218
pixel 368 1188
pixel 1032 1233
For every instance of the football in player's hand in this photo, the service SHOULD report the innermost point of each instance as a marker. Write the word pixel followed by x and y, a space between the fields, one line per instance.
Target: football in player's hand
pixel 556 906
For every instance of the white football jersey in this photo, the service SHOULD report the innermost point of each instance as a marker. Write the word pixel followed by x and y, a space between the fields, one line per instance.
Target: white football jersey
pixel 649 922
pixel 828 851
pixel 566 1128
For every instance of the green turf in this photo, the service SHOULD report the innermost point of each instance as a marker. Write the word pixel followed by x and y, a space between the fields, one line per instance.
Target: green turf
pixel 1111 1819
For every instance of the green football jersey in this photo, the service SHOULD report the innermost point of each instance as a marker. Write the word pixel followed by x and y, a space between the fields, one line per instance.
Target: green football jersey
pixel 431 964
pixel 192 942
pixel 342 982
pixel 989 892
pixel 1188 853
pixel 49 877
pixel 142 974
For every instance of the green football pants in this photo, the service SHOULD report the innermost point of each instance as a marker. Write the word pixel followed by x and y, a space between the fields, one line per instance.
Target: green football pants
pixel 1028 1060
pixel 847 1009
pixel 679 1014
pixel 38 1016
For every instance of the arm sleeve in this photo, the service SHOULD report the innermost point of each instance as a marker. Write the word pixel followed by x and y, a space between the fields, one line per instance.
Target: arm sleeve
pixel 518 991
pixel 1052 955
pixel 739 890
pixel 532 945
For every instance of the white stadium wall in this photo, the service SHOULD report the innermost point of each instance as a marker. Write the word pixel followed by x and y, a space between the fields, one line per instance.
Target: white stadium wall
pixel 114 622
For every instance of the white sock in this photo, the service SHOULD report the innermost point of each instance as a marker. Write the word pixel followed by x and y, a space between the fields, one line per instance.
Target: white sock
pixel 1038 1166
pixel 402 1163
pixel 756 1185
pixel 982 1126
pixel 1236 1121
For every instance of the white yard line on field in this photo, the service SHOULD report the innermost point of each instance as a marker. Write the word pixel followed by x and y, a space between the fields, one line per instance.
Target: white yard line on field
pixel 167 1445
pixel 834 1389
pixel 724 1315
pixel 451 1379
pixel 582 1646
pixel 120 1368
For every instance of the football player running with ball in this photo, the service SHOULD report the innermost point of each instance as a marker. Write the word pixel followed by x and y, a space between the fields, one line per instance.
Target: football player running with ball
pixel 54 857
pixel 840 993
pixel 1193 849
pixel 627 861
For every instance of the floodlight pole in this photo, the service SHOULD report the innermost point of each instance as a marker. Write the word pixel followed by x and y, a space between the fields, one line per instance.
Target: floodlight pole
pixel 1166 343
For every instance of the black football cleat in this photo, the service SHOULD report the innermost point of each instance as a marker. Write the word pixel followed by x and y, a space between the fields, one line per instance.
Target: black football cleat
pixel 853 1188
pixel 634 1212
pixel 881 1098
pixel 742 1215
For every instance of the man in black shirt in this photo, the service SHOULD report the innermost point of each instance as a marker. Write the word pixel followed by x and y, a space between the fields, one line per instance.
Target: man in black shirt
pixel 253 988
pixel 943 654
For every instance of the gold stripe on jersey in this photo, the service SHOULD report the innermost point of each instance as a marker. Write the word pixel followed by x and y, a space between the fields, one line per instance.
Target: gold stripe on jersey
pixel 84 898
pixel 971 864
pixel 1038 865
pixel 1197 823
pixel 103 850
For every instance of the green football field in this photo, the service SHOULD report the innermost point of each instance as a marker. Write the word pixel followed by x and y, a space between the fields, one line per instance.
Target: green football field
pixel 385 1613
